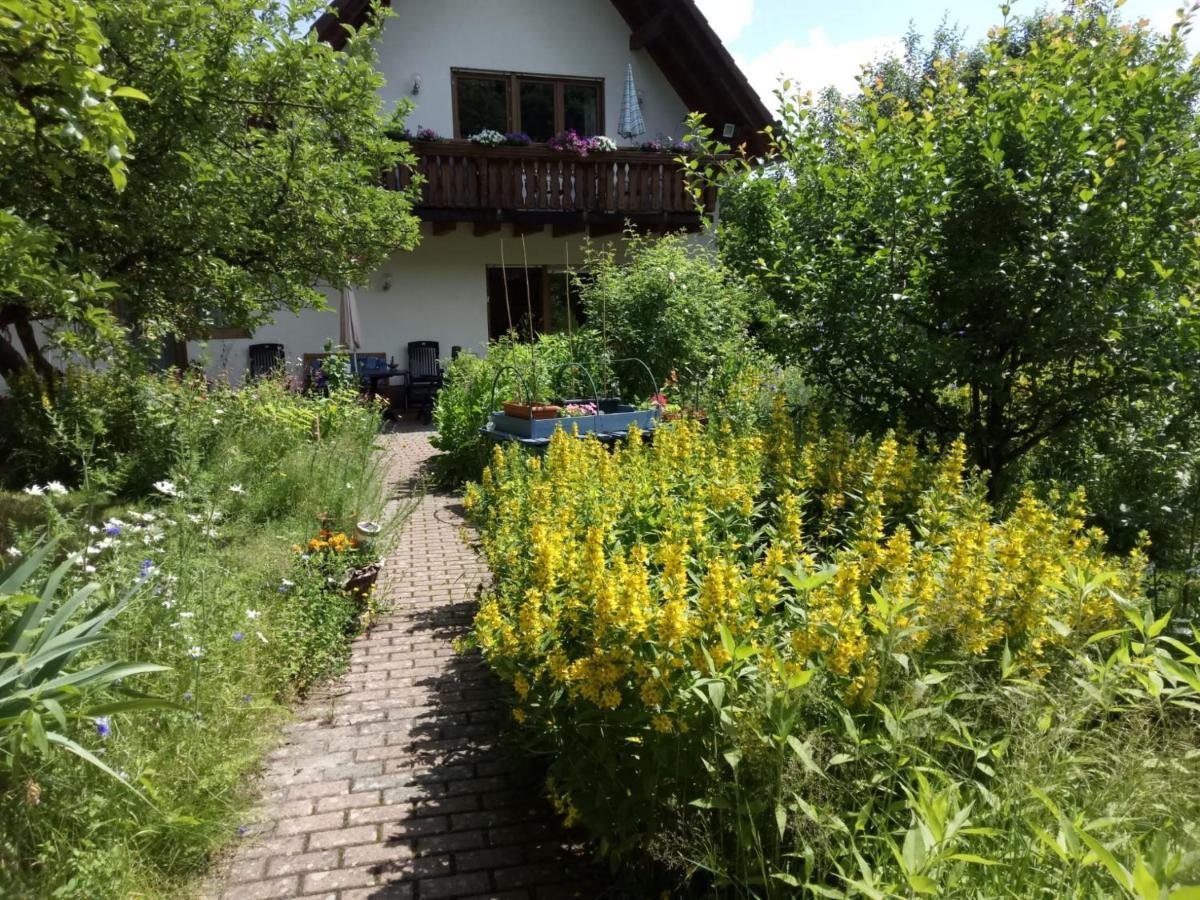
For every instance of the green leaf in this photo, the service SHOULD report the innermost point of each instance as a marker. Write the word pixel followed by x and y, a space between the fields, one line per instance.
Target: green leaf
pixel 131 93
pixel 781 818
pixel 1143 882
pixel 972 858
pixel 804 753
pixel 1185 892
pixel 923 884
pixel 1119 873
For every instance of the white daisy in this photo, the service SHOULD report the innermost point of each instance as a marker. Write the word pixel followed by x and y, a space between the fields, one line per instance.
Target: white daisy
pixel 236 489
pixel 166 487
pixel 56 487
pixel 35 490
pixel 252 614
pixel 196 652
pixel 14 552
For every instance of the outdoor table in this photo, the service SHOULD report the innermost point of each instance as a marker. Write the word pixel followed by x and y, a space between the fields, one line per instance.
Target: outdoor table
pixel 373 379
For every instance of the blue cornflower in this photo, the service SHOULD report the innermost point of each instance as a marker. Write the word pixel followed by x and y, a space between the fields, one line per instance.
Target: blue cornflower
pixel 146 569
pixel 248 698
pixel 102 726
pixel 112 530
pixel 238 635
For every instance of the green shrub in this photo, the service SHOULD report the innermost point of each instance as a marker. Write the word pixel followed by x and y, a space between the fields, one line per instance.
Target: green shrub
pixel 669 302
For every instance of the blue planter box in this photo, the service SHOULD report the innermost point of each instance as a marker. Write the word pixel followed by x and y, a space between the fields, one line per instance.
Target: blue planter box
pixel 605 423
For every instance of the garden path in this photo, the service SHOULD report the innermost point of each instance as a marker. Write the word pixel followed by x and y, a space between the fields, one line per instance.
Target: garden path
pixel 393 783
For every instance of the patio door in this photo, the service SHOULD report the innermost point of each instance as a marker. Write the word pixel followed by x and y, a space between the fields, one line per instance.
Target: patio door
pixel 518 302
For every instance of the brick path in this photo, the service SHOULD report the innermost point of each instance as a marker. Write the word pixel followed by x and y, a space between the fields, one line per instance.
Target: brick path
pixel 393 784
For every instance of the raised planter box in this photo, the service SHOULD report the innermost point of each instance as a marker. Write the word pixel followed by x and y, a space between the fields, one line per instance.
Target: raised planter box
pixel 604 423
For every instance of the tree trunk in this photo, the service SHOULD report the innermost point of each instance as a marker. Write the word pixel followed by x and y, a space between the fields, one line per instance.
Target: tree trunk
pixel 12 363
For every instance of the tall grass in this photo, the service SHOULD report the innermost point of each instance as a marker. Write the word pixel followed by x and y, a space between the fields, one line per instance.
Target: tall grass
pixel 231 599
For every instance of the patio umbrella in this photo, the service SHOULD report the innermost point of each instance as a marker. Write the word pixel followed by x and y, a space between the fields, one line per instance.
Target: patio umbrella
pixel 632 124
pixel 350 332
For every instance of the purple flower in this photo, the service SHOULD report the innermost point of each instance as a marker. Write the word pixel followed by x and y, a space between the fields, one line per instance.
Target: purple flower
pixel 248 698
pixel 243 830
pixel 112 530
pixel 146 569
pixel 517 139
pixel 102 726
pixel 428 134
pixel 238 635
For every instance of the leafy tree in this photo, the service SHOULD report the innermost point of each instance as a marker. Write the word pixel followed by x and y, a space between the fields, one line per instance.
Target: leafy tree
pixel 59 117
pixel 254 170
pixel 997 254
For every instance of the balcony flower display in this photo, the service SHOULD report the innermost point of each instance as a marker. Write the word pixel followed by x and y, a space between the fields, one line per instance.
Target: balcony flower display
pixel 428 134
pixel 571 142
pixel 517 139
pixel 488 138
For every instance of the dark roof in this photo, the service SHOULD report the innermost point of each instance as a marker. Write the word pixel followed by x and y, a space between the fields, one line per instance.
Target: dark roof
pixel 678 39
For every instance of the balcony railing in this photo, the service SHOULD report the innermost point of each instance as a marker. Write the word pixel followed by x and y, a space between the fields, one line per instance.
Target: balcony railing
pixel 469 182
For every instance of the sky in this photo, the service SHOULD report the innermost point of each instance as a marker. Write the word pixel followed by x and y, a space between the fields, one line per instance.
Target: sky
pixel 819 44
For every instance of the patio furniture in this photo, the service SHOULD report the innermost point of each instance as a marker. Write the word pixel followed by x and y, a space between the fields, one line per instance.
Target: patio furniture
pixel 266 359
pixel 424 376
pixel 375 376
pixel 312 364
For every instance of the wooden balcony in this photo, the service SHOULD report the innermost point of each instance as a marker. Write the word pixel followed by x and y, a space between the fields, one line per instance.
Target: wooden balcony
pixel 532 187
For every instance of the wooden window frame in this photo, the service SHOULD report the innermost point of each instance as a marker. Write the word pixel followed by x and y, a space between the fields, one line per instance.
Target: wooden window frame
pixel 513 83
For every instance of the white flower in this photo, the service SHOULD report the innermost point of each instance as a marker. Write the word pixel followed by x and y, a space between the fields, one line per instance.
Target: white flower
pixel 349 486
pixel 91 570
pixel 187 615
pixel 252 614
pixel 56 487
pixel 166 487
pixel 195 519
pixel 35 490
pixel 168 603
pixel 196 652
pixel 211 533
pixel 93 529
pixel 236 489
pixel 14 553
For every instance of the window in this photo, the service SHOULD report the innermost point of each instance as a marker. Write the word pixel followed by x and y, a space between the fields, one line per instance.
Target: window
pixel 539 105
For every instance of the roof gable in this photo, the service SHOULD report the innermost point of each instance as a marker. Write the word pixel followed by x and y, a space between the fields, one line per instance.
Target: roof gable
pixel 678 38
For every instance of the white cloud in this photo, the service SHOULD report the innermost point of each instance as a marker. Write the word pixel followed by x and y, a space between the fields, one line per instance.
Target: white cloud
pixel 815 63
pixel 728 18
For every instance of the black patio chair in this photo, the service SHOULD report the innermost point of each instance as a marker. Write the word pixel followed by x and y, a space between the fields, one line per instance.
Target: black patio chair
pixel 266 359
pixel 424 377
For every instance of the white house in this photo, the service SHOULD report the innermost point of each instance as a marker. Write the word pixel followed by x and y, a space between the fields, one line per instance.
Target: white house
pixel 534 66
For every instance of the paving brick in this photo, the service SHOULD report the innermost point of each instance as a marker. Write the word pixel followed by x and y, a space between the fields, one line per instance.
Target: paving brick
pixel 337 879
pixel 344 837
pixel 263 890
pixel 454 885
pixel 322 822
pixel 302 862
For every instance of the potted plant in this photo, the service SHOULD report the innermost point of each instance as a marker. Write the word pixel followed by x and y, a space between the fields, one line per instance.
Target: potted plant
pixel 531 410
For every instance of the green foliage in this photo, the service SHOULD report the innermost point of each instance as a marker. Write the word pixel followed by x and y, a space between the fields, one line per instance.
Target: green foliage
pixel 231 597
pixel 668 302
pixel 253 172
pixel 998 253
pixel 39 691
pixel 800 663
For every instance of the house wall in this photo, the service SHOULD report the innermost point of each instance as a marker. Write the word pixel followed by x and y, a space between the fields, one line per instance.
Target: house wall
pixel 437 292
pixel 584 38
